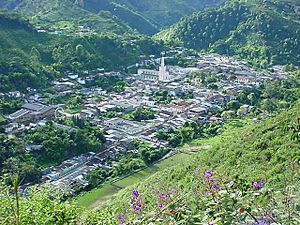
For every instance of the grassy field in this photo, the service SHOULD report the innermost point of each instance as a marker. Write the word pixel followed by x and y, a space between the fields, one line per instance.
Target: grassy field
pixel 97 196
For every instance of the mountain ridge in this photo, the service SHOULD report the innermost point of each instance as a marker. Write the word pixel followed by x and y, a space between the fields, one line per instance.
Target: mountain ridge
pixel 264 34
pixel 142 16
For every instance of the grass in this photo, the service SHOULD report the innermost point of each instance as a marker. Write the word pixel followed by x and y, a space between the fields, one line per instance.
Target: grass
pixel 2 118
pixel 99 195
pixel 96 196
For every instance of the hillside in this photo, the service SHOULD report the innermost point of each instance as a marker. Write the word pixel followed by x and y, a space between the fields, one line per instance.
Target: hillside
pixel 263 33
pixel 258 152
pixel 30 59
pixel 245 176
pixel 119 16
pixel 56 14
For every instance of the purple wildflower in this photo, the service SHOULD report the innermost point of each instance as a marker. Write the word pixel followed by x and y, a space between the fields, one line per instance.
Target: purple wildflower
pixel 258 184
pixel 197 193
pixel 131 201
pixel 208 174
pixel 163 196
pixel 160 206
pixel 207 193
pixel 215 186
pixel 197 169
pixel 139 202
pixel 121 217
pixel 136 207
pixel 135 193
pixel 173 192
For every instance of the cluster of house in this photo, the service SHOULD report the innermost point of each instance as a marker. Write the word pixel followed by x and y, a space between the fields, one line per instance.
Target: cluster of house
pixel 121 132
pixel 30 113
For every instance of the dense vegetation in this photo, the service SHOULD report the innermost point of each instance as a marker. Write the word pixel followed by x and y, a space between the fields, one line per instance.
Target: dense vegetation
pixel 140 113
pixel 235 192
pixel 263 33
pixel 118 16
pixel 53 146
pixel 31 59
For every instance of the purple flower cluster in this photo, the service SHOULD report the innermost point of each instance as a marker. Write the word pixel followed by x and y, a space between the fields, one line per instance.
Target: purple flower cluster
pixel 164 197
pixel 160 206
pixel 259 184
pixel 135 193
pixel 121 218
pixel 208 174
pixel 136 201
pixel 210 182
pixel 261 221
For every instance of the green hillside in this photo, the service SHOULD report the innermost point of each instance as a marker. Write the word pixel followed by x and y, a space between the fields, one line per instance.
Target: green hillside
pixel 118 16
pixel 245 176
pixel 56 14
pixel 165 13
pixel 30 59
pixel 262 32
pixel 264 151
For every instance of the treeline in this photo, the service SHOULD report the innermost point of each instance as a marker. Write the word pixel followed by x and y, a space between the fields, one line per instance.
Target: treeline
pixel 263 33
pixel 32 151
pixel 32 59
pixel 139 155
pixel 271 97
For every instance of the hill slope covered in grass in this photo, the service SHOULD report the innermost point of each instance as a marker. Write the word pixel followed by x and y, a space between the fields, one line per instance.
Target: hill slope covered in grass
pixel 218 186
pixel 262 32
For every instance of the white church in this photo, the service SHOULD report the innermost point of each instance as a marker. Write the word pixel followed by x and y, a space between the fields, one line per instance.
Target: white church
pixel 163 75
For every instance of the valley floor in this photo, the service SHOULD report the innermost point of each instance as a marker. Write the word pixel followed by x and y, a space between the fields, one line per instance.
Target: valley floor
pixel 99 195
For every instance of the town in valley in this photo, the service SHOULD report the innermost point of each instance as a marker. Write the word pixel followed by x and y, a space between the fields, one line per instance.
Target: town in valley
pixel 170 92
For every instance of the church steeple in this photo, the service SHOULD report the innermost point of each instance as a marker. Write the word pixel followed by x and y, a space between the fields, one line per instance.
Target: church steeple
pixel 163 72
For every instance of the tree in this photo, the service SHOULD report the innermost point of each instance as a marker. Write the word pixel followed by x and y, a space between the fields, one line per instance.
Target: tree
pixel 35 56
pixel 251 98
pixel 228 114
pixel 95 177
pixel 41 205
pixel 268 105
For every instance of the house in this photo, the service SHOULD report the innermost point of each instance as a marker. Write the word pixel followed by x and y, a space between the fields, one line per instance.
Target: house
pixel 88 114
pixel 34 148
pixel 199 110
pixel 215 98
pixel 32 112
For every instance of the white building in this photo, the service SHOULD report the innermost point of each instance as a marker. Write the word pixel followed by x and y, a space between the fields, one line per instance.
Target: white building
pixel 162 75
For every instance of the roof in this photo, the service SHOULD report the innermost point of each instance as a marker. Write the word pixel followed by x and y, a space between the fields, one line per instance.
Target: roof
pixel 18 114
pixel 33 106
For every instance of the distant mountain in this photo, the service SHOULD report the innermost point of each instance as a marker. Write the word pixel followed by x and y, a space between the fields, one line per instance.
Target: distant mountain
pixel 145 16
pixel 30 59
pixel 263 32
pixel 56 14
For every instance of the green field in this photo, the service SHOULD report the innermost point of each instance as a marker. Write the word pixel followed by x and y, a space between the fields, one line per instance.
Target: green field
pixel 97 196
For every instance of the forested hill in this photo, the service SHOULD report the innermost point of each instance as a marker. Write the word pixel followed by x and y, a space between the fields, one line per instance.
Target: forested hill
pixel 56 14
pixel 263 32
pixel 30 59
pixel 119 16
